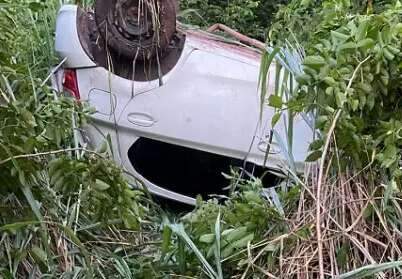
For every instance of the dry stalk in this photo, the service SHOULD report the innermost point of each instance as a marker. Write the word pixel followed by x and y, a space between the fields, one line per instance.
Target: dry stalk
pixel 345 229
pixel 66 150
pixel 321 174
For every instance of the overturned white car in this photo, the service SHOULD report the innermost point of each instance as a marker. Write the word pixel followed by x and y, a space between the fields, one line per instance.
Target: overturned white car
pixel 182 106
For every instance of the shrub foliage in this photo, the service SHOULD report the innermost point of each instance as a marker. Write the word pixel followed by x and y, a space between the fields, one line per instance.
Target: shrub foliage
pixel 251 17
pixel 352 65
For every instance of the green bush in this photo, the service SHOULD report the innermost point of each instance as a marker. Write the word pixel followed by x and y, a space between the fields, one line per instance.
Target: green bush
pixel 352 67
pixel 251 17
pixel 306 20
pixel 53 197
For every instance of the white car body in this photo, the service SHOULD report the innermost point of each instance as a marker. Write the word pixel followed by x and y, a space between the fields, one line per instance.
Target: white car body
pixel 209 101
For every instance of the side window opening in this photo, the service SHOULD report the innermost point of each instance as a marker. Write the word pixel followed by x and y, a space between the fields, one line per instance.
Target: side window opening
pixel 187 171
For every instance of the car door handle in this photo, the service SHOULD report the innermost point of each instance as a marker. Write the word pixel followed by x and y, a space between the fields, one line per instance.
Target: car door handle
pixel 141 119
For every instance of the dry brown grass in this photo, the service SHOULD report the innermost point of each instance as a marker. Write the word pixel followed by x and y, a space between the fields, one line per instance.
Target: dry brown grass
pixel 353 217
pixel 359 228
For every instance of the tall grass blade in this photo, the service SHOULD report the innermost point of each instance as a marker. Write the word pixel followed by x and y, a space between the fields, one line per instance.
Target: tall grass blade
pixel 273 195
pixel 263 80
pixel 370 270
pixel 166 238
pixel 285 151
pixel 17 226
pixel 218 245
pixel 123 268
pixel 178 229
pixel 32 202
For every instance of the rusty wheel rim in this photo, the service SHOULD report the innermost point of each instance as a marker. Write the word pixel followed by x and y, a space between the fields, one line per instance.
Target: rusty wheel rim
pixel 133 19
pixel 136 28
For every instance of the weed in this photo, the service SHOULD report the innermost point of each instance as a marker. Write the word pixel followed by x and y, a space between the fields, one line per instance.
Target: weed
pixel 61 204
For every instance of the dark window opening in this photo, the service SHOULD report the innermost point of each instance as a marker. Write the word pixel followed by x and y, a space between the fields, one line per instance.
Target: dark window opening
pixel 185 170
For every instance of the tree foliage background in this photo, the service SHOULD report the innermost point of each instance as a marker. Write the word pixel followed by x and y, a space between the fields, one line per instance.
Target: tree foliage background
pixel 251 17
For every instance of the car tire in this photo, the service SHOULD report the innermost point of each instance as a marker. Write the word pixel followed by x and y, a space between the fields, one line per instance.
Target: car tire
pixel 133 39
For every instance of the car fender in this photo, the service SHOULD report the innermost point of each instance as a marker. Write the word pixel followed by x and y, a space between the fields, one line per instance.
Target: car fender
pixel 68 44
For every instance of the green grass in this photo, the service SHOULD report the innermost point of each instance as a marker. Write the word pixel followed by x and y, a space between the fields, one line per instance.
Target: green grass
pixel 69 216
pixel 61 215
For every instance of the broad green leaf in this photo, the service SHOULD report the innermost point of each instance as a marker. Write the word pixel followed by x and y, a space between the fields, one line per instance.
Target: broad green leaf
pixel 314 156
pixel 242 243
pixel 314 61
pixel 207 238
pixel 101 185
pixel 339 36
pixel 226 232
pixel 227 251
pixel 275 119
pixel 330 81
pixel 355 105
pixel 366 43
pixel 236 234
pixel 56 175
pixel 305 3
pixel 329 91
pixel 36 7
pixel 303 79
pixel 393 49
pixel 388 54
pixel 362 30
pixel 347 46
pixel 275 101
pixel 317 144
pixel 340 98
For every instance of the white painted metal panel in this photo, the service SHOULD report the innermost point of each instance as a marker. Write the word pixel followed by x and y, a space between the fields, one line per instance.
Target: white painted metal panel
pixel 68 44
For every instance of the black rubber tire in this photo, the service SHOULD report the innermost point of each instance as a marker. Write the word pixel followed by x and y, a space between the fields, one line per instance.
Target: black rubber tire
pixel 141 48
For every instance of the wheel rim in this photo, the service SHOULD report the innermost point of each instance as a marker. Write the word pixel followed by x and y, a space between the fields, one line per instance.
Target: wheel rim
pixel 136 28
pixel 133 19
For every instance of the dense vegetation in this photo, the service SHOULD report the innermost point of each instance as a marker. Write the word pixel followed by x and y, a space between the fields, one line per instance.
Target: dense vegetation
pixel 351 68
pixel 53 193
pixel 67 211
pixel 251 17
pixel 349 84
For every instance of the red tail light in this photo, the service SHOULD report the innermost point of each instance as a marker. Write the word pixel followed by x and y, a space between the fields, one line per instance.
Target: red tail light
pixel 70 83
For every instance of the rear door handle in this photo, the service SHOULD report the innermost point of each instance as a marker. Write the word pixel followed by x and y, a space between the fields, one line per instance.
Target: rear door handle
pixel 141 119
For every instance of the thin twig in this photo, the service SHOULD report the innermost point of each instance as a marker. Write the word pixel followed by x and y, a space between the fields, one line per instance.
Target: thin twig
pixel 22 156
pixel 54 70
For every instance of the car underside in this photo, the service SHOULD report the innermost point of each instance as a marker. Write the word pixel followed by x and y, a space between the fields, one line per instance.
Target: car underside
pixel 181 106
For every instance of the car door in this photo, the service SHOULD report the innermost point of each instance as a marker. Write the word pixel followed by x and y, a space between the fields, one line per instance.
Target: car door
pixel 211 103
